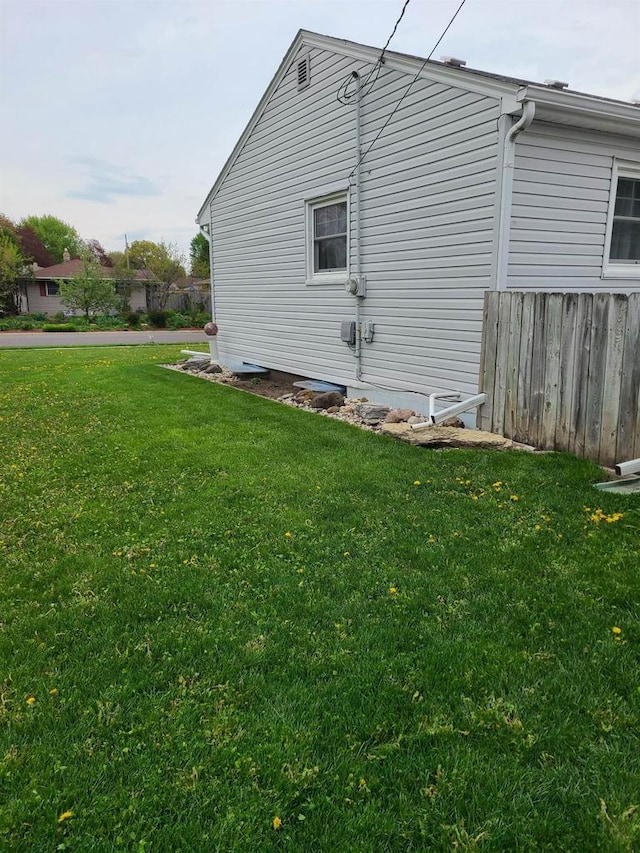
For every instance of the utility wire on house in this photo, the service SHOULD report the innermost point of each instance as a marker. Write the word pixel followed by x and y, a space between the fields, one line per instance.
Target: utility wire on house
pixel 349 87
pixel 364 154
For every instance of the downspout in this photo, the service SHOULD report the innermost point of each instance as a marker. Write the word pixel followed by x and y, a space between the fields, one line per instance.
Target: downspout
pixel 506 194
pixel 356 230
pixel 205 230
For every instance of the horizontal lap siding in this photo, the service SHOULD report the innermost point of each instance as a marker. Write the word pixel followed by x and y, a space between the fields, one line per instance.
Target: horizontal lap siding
pixel 428 205
pixel 561 193
pixel 427 213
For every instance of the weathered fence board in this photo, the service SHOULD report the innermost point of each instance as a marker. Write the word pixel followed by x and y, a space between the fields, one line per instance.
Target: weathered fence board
pixel 562 371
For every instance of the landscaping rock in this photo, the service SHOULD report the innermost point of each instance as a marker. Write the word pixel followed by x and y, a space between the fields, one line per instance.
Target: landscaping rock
pixel 417 419
pixel 195 365
pixel 213 368
pixel 439 436
pixel 371 413
pixel 327 400
pixel 332 410
pixel 397 416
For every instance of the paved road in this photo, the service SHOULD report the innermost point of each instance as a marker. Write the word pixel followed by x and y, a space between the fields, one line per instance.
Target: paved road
pixel 74 339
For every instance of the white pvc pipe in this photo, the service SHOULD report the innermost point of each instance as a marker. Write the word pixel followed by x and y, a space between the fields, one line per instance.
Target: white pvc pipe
pixel 432 402
pixel 456 409
pixel 506 190
pixel 630 467
pixel 356 216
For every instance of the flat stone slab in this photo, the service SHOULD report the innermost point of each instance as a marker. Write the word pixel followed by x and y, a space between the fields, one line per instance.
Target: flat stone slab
pixel 439 436
pixel 247 370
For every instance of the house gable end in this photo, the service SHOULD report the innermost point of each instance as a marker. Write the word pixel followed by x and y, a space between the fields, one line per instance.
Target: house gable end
pixel 305 43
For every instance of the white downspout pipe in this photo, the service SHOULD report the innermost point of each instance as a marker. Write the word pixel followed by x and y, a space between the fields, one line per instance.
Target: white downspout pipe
pixel 450 411
pixel 506 194
pixel 205 230
pixel 630 467
pixel 356 228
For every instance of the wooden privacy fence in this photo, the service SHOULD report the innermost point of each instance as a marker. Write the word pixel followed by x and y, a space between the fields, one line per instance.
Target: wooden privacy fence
pixel 562 372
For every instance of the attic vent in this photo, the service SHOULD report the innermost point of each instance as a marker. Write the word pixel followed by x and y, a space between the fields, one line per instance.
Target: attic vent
pixel 303 73
pixel 451 60
pixel 556 84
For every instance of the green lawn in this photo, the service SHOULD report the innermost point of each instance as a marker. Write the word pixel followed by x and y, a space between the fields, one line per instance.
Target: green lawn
pixel 229 625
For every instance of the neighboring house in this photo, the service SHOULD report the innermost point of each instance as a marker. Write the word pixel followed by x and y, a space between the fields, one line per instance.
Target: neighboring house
pixel 40 294
pixel 478 182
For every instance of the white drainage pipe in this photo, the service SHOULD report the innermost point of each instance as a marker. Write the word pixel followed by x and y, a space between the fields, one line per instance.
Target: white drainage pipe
pixel 630 467
pixel 456 409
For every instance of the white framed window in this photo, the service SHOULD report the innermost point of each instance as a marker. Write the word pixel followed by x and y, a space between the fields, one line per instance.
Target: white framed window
pixel 622 247
pixel 328 239
pixel 52 288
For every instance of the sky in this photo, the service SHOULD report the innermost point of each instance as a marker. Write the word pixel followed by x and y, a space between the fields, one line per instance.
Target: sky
pixel 117 116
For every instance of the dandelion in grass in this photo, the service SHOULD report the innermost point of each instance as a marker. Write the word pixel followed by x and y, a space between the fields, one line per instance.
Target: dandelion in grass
pixel 497 485
pixel 514 498
pixel 31 700
pixel 287 535
pixel 65 816
pixel 617 632
pixel 277 823
pixel 53 691
pixel 393 590
pixel 417 483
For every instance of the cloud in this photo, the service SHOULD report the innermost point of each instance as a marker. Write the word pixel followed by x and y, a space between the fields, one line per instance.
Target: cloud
pixel 104 182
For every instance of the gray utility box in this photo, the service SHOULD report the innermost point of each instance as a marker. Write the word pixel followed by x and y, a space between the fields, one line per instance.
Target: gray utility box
pixel 348 331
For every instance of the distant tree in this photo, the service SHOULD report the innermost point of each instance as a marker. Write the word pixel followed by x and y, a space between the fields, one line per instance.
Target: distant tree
pixel 56 236
pixel 7 227
pixel 32 247
pixel 164 260
pixel 12 264
pixel 199 256
pixel 89 291
pixel 118 259
pixel 95 248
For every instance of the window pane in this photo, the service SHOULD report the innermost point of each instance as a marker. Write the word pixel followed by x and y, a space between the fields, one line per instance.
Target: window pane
pixel 52 288
pixel 625 241
pixel 628 197
pixel 330 254
pixel 330 220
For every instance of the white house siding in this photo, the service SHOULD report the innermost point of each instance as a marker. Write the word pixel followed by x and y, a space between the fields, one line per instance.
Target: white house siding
pixel 561 192
pixel 428 201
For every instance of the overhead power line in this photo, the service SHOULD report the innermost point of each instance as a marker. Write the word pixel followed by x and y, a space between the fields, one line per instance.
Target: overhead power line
pixel 408 89
pixel 349 87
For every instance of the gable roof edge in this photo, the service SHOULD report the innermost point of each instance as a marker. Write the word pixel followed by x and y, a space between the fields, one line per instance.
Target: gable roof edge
pixel 398 61
pixel 282 69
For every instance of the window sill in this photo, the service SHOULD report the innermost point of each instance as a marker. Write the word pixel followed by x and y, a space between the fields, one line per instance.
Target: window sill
pixel 329 278
pixel 631 271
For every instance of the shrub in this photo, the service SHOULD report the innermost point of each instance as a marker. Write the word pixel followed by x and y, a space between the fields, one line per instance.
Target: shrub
pixel 158 318
pixel 133 319
pixel 59 327
pixel 108 322
pixel 178 321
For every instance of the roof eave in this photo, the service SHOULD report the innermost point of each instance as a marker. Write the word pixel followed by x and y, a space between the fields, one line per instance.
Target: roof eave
pixel 581 110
